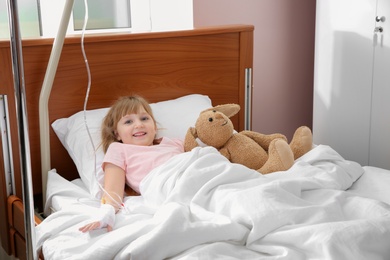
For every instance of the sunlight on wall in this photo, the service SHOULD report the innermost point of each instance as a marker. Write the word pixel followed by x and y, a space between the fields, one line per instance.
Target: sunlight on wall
pixel 336 21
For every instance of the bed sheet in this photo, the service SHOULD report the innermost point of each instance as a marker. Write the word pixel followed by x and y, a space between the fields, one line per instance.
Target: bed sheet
pixel 373 184
pixel 62 193
pixel 200 206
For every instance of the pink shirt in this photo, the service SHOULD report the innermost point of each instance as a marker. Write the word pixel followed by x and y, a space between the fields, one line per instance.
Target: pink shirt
pixel 137 161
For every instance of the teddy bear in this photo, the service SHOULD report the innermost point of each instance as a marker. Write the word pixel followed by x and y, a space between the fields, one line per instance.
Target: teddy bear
pixel 261 152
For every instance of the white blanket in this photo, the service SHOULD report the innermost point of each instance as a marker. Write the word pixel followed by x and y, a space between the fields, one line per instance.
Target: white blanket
pixel 200 206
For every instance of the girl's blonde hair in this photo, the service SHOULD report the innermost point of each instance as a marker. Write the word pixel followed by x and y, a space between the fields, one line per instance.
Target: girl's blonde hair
pixel 123 106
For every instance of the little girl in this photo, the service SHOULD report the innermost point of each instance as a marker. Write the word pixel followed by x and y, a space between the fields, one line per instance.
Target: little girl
pixel 131 152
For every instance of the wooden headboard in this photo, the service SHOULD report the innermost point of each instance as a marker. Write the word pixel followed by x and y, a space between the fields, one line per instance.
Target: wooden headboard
pixel 156 65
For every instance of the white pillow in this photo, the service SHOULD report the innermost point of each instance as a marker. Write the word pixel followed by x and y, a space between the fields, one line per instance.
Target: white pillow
pixel 173 117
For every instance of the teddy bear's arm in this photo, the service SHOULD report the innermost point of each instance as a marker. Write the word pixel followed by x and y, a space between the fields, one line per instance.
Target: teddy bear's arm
pixel 190 139
pixel 262 139
pixel 225 152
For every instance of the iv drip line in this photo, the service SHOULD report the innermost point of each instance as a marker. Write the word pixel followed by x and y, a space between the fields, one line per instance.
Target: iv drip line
pixel 119 201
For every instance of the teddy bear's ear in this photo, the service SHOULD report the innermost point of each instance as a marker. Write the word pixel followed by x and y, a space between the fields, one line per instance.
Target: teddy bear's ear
pixel 227 109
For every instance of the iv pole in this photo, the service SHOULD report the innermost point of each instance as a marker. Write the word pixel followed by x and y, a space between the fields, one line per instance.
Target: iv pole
pixel 21 112
pixel 22 123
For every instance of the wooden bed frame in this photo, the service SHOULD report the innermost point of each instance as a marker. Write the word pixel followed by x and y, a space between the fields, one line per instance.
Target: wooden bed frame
pixel 157 65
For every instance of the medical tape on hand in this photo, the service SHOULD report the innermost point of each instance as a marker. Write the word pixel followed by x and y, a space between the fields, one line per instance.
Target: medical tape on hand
pixel 106 216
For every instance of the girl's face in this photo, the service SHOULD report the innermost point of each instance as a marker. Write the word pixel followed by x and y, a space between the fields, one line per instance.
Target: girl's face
pixel 136 129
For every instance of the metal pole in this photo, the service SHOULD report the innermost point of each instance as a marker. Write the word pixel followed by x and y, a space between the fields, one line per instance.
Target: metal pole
pixel 45 93
pixel 22 122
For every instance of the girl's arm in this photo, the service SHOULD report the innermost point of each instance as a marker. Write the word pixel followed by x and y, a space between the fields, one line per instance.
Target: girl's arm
pixel 114 187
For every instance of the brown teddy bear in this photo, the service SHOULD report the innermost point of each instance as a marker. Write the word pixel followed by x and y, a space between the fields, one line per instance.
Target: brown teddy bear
pixel 264 153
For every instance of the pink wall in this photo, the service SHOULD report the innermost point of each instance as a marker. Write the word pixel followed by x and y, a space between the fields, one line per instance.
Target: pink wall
pixel 283 56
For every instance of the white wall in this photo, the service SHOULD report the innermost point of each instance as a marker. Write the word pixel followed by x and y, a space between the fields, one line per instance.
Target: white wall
pixel 171 14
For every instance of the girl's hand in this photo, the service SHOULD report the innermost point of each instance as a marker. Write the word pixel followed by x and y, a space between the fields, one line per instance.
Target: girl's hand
pixel 104 218
pixel 93 226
